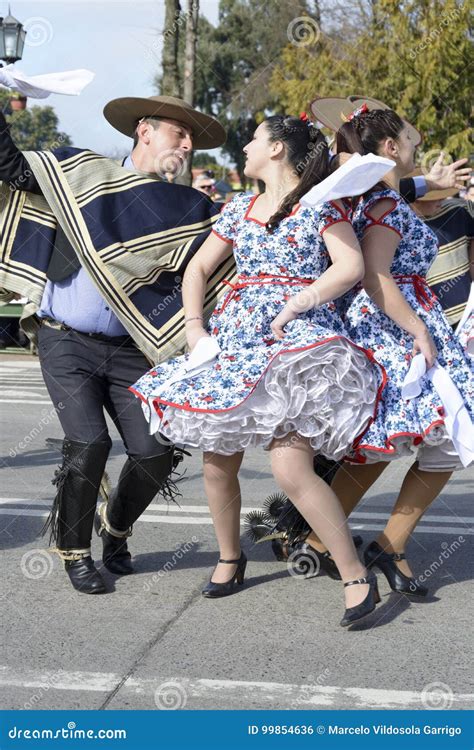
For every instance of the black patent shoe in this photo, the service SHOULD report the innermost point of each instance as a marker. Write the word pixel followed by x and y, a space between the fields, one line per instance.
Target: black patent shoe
pixel 84 576
pixel 375 556
pixel 115 555
pixel 215 590
pixel 366 607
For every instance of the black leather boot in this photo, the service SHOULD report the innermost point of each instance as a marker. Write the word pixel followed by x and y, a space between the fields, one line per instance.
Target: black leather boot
pixel 72 515
pixel 141 479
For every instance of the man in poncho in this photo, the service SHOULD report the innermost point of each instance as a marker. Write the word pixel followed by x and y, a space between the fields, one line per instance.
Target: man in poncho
pixel 99 249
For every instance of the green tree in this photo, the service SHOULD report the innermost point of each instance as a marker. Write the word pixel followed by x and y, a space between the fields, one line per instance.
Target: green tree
pixel 34 128
pixel 235 62
pixel 414 55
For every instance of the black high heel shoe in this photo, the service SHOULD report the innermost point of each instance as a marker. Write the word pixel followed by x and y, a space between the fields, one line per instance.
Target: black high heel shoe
pixel 375 556
pixel 215 590
pixel 366 607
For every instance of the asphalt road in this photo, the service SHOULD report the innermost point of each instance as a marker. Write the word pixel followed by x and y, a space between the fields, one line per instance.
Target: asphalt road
pixel 154 642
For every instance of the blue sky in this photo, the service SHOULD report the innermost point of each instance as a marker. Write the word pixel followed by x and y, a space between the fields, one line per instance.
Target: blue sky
pixel 119 40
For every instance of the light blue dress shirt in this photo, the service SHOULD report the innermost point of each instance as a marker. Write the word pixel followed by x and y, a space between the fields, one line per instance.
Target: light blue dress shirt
pixel 76 302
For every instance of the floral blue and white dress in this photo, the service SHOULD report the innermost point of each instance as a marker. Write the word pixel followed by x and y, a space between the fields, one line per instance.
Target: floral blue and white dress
pixel 402 424
pixel 315 382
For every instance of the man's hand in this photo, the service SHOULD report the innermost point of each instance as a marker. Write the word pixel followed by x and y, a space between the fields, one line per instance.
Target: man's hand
pixel 443 176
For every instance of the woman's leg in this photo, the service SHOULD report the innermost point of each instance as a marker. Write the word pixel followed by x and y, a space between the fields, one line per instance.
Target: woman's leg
pixel 350 484
pixel 418 491
pixel 292 465
pixel 223 494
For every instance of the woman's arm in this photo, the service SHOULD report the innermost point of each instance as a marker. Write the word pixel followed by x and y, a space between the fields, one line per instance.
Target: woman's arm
pixel 346 270
pixel 378 248
pixel 209 256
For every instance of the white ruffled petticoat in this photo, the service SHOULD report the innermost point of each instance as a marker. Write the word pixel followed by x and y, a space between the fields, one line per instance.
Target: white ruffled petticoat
pixel 327 393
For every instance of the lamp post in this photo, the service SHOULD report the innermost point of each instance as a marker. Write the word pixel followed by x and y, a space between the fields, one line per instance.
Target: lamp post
pixel 12 39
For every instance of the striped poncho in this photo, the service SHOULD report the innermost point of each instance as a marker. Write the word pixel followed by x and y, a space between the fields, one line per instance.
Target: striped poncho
pixel 133 234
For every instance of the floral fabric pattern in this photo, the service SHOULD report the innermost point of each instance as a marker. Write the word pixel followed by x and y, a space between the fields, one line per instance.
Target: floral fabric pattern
pixel 315 381
pixel 400 425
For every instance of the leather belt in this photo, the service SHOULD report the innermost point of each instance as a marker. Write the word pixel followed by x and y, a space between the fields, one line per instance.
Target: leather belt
pixel 58 326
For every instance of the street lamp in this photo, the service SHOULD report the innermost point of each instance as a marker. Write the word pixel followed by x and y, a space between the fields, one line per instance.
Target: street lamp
pixel 12 39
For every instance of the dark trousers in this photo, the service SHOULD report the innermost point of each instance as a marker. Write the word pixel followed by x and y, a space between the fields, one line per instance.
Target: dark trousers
pixel 85 378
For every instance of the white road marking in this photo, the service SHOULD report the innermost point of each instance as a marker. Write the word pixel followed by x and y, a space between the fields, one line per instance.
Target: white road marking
pixel 185 508
pixel 207 521
pixel 23 401
pixel 293 695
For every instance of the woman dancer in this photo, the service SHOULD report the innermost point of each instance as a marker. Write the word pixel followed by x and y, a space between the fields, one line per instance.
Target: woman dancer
pixel 395 314
pixel 287 377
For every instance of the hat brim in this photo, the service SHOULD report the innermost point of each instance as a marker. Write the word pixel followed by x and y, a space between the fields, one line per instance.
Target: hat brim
pixel 332 111
pixel 357 101
pixel 124 113
pixel 328 111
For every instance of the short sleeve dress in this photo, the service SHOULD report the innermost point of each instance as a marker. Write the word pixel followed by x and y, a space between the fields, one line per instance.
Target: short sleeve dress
pixel 315 381
pixel 402 425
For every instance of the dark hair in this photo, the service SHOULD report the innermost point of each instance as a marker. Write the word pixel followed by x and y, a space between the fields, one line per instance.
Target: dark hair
pixel 154 121
pixel 307 152
pixel 365 132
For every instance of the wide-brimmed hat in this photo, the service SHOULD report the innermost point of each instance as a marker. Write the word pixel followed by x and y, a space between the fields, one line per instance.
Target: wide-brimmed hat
pixel 124 114
pixel 433 195
pixel 333 111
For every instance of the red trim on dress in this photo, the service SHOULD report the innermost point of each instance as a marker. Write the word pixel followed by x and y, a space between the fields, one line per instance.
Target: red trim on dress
pixel 221 237
pixel 379 222
pixel 157 400
pixel 257 221
pixel 345 214
pixel 418 438
pixel 336 221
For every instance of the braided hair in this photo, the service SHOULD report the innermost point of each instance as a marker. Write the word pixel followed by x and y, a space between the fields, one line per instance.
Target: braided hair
pixel 365 132
pixel 307 152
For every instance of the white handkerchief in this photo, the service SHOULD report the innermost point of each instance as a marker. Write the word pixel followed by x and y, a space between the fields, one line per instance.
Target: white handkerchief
pixel 70 82
pixel 411 386
pixel 457 420
pixel 205 352
pixel 357 175
pixel 201 357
